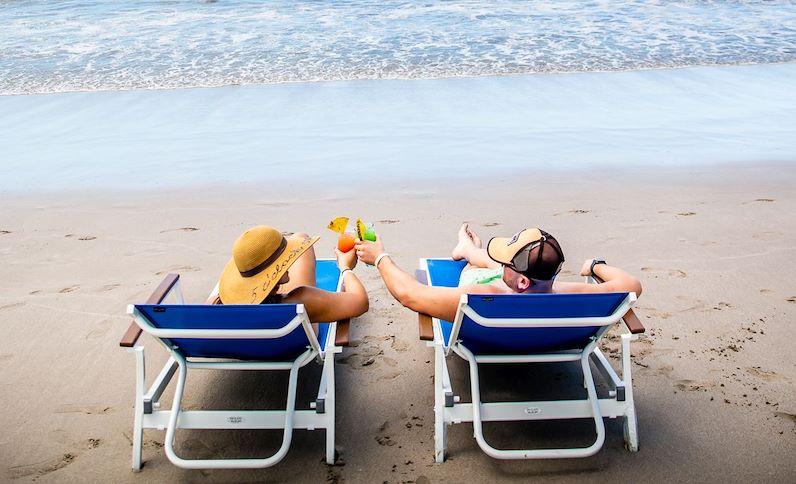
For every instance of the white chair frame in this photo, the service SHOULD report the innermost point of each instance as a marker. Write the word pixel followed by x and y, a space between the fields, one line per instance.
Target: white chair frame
pixel 449 410
pixel 148 415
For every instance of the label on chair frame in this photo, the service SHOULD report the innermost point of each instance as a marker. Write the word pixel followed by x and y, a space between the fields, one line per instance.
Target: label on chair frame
pixel 533 410
pixel 235 419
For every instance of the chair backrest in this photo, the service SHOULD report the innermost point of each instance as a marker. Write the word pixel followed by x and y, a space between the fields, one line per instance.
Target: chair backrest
pixel 528 323
pixel 229 318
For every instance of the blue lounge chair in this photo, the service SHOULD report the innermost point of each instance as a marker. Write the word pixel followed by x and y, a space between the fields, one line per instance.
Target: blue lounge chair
pixel 529 328
pixel 234 337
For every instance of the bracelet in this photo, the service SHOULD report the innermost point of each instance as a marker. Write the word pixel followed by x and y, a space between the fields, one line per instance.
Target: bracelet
pixel 342 273
pixel 379 258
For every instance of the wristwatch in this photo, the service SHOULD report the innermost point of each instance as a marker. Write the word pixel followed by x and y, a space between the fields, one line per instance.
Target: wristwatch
pixel 594 262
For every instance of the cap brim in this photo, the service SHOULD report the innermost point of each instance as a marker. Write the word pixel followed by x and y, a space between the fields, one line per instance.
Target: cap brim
pixel 233 288
pixel 503 249
pixel 498 250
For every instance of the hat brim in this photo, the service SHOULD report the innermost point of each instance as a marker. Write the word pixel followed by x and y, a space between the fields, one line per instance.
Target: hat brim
pixel 233 288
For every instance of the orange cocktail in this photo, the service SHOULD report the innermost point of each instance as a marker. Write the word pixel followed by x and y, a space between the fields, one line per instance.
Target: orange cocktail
pixel 345 242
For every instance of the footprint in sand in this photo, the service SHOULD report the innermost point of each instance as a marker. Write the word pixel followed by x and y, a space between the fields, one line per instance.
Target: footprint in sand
pixel 100 331
pixel 395 345
pixel 384 437
pixel 181 229
pixel 364 357
pixel 791 299
pixel 671 272
pixel 87 409
pixel 41 468
pixel 86 237
pixel 367 351
pixel 758 372
pixel 578 210
pixel 13 305
pixel 492 224
pixel 686 214
pixel 693 386
pixel 109 287
pixel 388 221
pixel 763 200
pixel 178 269
pixel 69 289
pixel 148 443
pixel 392 375
pixel 786 415
pixel 5 232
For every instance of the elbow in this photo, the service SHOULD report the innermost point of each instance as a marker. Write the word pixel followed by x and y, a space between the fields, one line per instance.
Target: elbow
pixel 362 307
pixel 404 296
pixel 635 286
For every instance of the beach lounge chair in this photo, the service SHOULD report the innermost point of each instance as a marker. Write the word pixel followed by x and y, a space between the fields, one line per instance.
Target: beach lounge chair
pixel 234 337
pixel 529 328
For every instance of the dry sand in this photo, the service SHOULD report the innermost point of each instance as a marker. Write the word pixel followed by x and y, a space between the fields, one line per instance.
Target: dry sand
pixel 714 374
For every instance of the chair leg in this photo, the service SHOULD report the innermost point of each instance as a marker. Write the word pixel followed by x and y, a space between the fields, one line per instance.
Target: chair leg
pixel 440 429
pixel 328 368
pixel 631 431
pixel 631 424
pixel 138 422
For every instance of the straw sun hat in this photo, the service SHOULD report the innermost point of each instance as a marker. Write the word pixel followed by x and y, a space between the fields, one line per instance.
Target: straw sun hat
pixel 260 257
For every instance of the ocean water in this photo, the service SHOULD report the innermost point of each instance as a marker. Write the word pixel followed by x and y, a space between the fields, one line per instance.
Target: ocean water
pixel 79 45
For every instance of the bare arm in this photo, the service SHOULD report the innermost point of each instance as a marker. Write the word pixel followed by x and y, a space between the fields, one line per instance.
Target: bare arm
pixel 326 306
pixel 614 280
pixel 439 302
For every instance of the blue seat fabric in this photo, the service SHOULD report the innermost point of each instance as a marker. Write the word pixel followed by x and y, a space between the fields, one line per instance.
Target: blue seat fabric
pixel 265 316
pixel 491 340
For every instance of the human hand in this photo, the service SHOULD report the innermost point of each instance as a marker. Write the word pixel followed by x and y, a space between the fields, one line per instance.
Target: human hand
pixel 345 260
pixel 585 271
pixel 368 251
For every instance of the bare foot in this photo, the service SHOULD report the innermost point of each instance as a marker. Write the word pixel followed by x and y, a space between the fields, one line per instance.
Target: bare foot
pixel 467 240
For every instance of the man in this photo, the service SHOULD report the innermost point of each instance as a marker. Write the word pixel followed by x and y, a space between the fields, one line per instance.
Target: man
pixel 527 262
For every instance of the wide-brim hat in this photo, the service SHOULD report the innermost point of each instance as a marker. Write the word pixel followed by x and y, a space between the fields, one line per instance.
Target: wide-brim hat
pixel 543 264
pixel 260 258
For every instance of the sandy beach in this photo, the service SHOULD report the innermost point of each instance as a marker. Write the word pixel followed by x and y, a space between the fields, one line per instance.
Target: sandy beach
pixel 140 139
pixel 714 374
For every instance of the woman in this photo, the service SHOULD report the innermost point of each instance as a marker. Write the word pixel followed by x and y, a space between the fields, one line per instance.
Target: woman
pixel 269 268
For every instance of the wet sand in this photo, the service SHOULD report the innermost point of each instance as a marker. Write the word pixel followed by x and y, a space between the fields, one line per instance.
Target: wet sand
pixel 714 374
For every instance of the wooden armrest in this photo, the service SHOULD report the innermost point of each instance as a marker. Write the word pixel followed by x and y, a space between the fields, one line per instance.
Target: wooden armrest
pixel 632 322
pixel 134 331
pixel 425 326
pixel 341 338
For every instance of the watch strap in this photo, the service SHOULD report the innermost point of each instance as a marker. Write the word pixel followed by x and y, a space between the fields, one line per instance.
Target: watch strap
pixel 594 262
